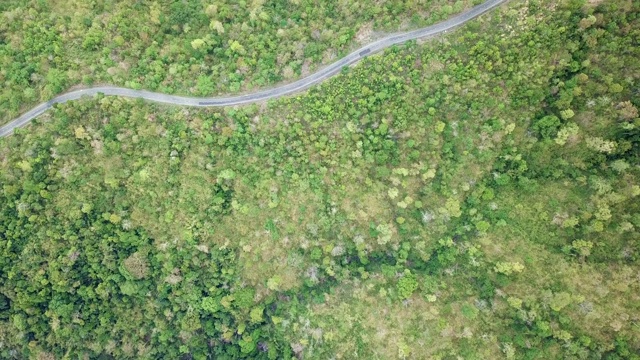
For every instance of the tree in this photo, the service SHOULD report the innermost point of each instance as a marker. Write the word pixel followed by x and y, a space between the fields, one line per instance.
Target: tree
pixel 136 266
pixel 508 268
pixel 627 111
pixel 407 285
pixel 547 127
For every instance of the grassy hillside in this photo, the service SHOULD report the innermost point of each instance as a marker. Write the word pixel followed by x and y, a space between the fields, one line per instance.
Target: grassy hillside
pixel 472 197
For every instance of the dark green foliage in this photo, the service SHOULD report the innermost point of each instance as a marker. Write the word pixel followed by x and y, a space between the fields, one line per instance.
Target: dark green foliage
pixel 547 126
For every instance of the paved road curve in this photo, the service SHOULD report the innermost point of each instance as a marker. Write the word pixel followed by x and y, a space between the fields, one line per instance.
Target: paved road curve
pixel 276 92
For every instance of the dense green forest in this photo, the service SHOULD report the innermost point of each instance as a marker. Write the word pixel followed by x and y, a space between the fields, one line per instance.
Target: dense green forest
pixel 474 196
pixel 195 47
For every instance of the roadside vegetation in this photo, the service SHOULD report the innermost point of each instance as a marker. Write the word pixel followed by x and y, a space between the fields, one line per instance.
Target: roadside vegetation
pixel 185 47
pixel 474 196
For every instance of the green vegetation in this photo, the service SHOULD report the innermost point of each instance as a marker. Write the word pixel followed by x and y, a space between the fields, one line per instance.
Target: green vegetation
pixel 473 197
pixel 196 47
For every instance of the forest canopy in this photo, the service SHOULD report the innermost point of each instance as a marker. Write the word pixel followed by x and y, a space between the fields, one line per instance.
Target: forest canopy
pixel 193 47
pixel 472 196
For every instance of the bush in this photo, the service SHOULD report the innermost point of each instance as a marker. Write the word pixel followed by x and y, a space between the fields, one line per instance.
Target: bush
pixel 407 284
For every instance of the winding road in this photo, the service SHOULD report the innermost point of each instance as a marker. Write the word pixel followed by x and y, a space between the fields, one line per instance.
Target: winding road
pixel 261 95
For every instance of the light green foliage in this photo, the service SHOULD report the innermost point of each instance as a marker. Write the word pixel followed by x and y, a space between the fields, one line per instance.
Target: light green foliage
pixel 508 351
pixel 482 226
pixel 217 26
pixel 620 166
pixel 407 285
pixel 508 268
pixel 197 44
pixel 588 21
pixel 581 247
pixel 257 315
pixel 274 283
pixel 565 133
pixel 601 145
pixel 560 300
pixel 514 302
pixel 115 219
pixel 86 208
pixel 210 304
pixel 385 233
pixel 616 88
pixel 227 174
pixel 567 114
pixel 452 208
pixel 571 222
pixel 393 193
pixel 236 47
pixel 403 350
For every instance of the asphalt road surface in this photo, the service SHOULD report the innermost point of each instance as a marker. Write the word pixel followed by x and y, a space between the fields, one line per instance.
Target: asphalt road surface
pixel 267 94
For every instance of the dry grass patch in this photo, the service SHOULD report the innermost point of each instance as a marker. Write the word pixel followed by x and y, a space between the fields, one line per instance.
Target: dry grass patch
pixel 357 321
pixel 269 239
pixel 365 205
pixel 604 297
